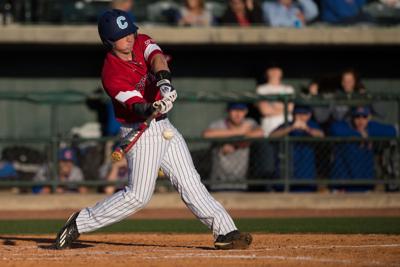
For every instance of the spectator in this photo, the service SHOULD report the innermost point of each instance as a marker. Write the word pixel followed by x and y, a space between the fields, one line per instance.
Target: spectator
pixel 104 111
pixel 355 160
pixel 68 172
pixel 303 157
pixel 194 13
pixel 384 12
pixel 287 13
pixel 125 5
pixel 273 112
pixel 343 11
pixel 114 172
pixel 242 13
pixel 230 160
pixel 320 114
pixel 350 85
pixel 7 170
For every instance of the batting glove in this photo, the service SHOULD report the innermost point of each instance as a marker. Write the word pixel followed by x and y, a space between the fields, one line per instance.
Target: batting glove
pixel 163 105
pixel 164 85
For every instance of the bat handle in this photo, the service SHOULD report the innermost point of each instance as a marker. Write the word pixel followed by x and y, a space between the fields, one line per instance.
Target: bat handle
pixel 117 155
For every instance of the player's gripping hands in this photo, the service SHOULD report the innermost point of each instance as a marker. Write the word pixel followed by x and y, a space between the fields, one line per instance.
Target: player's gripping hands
pixel 167 92
pixel 164 85
pixel 164 105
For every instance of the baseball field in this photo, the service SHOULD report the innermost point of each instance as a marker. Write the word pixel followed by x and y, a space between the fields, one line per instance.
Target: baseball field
pixel 166 234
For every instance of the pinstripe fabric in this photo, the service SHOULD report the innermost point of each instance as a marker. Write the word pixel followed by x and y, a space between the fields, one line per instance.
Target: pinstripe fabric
pixel 147 155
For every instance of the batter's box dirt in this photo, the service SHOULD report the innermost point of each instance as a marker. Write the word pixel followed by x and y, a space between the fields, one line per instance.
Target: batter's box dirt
pixel 196 250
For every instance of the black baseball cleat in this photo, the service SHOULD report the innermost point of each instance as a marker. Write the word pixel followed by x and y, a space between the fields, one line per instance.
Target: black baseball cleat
pixel 233 240
pixel 68 234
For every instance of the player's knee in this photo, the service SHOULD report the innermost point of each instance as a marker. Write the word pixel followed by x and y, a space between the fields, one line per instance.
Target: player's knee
pixel 140 201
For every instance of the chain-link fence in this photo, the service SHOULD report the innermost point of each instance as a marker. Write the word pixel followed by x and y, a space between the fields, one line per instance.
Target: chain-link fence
pixel 297 164
pixel 304 164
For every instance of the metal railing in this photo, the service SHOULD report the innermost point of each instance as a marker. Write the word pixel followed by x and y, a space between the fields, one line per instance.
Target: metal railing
pixel 281 174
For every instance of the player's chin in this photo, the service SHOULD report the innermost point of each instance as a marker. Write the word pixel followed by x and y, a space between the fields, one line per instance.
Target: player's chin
pixel 127 50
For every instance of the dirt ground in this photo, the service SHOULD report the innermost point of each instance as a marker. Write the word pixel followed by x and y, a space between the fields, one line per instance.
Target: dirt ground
pixel 197 250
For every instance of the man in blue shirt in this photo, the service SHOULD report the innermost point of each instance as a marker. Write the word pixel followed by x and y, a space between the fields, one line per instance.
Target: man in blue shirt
pixel 355 160
pixel 289 13
pixel 343 11
pixel 302 153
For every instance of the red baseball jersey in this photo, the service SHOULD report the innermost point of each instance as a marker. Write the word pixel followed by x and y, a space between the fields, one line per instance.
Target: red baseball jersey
pixel 129 82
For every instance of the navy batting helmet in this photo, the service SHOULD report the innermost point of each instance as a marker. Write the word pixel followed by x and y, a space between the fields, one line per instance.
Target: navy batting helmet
pixel 115 24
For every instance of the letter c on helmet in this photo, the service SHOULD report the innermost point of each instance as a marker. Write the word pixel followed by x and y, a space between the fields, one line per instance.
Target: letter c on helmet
pixel 122 23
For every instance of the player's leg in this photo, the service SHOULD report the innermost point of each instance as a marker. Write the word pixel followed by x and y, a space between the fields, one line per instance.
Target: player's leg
pixel 143 163
pixel 178 165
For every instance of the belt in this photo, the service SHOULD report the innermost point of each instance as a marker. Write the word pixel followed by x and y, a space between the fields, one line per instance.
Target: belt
pixel 162 117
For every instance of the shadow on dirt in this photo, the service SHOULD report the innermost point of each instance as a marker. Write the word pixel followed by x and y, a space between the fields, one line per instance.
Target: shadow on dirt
pixel 48 243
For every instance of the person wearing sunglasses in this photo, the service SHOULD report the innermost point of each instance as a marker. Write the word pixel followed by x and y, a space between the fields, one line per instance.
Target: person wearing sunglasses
pixel 356 159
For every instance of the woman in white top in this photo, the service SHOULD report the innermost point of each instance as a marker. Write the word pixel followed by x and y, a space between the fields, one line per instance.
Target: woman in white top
pixel 273 112
pixel 194 13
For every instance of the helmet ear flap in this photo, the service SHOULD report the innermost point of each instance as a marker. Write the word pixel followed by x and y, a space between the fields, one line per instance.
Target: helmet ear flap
pixel 108 44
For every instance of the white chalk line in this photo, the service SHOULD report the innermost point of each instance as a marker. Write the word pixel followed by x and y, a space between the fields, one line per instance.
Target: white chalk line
pixel 186 253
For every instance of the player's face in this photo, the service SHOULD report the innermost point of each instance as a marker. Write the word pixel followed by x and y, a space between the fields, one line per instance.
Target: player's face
pixel 125 44
pixel 236 116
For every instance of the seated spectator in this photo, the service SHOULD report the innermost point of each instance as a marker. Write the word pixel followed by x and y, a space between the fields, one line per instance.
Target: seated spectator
pixel 320 114
pixel 194 13
pixel 273 112
pixel 344 12
pixel 302 154
pixel 355 160
pixel 242 13
pixel 230 160
pixel 125 5
pixel 350 85
pixel 287 13
pixel 7 170
pixel 384 12
pixel 114 171
pixel 68 172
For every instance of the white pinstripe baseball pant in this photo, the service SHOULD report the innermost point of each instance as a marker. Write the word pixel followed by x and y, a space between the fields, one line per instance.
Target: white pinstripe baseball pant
pixel 146 156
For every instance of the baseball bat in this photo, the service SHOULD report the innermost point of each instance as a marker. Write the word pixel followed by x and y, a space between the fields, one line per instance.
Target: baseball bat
pixel 131 138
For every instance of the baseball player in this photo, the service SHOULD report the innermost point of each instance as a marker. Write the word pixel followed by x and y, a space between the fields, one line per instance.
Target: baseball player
pixel 137 78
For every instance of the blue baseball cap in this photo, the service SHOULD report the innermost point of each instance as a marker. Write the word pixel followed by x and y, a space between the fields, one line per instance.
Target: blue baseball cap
pixel 237 106
pixel 301 109
pixel 67 154
pixel 360 111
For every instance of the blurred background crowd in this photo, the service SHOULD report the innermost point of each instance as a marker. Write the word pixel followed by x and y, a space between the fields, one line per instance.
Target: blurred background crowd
pixel 274 13
pixel 328 133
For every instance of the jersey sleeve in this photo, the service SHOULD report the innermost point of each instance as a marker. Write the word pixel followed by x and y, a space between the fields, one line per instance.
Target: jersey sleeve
pixel 120 90
pixel 150 48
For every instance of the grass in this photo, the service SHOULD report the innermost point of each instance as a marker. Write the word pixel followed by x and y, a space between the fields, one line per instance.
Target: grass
pixel 364 225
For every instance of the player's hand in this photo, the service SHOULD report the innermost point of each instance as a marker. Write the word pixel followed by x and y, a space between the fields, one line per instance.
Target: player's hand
pixel 167 90
pixel 163 105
